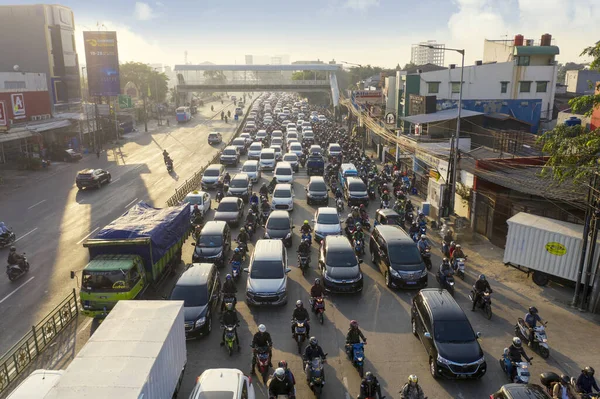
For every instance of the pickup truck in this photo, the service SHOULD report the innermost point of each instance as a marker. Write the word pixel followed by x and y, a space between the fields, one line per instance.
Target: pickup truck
pixel 315 165
pixel 130 254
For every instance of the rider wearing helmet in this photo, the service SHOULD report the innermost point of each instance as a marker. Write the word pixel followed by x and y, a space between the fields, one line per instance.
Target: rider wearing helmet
pixel 288 373
pixel 353 336
pixel 445 270
pixel 530 319
pixel 563 388
pixel 413 230
pixel 264 190
pixel 317 289
pixel 350 224
pixel 243 236
pixel 229 289
pixel 237 255
pixel 197 215
pixel 306 229
pixel 230 318
pixel 280 385
pixel 358 233
pixel 15 259
pixel 369 387
pixel 261 339
pixel 480 286
pixel 412 389
pixel 312 350
pixel 515 352
pixel 586 382
pixel 423 244
pixel 300 313
pixel 457 253
pixel 254 199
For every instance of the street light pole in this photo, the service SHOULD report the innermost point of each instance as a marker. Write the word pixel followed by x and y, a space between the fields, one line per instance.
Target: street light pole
pixel 156 94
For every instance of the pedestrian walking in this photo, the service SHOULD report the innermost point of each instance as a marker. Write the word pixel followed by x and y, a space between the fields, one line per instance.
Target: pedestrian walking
pixel 98 152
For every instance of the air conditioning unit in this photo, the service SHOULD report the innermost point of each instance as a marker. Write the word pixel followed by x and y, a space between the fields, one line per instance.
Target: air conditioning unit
pixel 45 116
pixel 35 118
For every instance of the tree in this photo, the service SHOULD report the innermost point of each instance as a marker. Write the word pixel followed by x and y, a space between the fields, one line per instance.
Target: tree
pixel 145 79
pixel 408 66
pixel 591 101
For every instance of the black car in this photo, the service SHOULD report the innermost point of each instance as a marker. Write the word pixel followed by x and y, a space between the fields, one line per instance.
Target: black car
pixel 520 391
pixel 213 244
pixel 444 330
pixel 68 155
pixel 199 288
pixel 240 186
pixel 240 143
pixel 230 156
pixel 230 210
pixel 339 266
pixel 317 191
pixel 92 178
pixel 355 191
pixel 388 217
pixel 279 227
pixel 395 254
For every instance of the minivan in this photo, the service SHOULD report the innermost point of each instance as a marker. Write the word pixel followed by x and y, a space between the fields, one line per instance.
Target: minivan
pixel 317 191
pixel 240 186
pixel 254 150
pixel 397 257
pixel 339 266
pixel 346 170
pixel 267 274
pixel 212 174
pixel 252 170
pixel 213 244
pixel 283 172
pixel 452 346
pixel 267 159
pixel 355 191
pixel 230 155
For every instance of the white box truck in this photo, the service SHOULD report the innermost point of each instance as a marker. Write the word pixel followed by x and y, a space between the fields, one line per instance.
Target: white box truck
pixel 138 352
pixel 36 385
pixel 546 247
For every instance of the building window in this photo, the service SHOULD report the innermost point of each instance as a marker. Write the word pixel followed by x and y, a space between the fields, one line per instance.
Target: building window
pixel 14 85
pixel 522 60
pixel 524 87
pixel 433 87
pixel 455 87
pixel 541 87
pixel 503 87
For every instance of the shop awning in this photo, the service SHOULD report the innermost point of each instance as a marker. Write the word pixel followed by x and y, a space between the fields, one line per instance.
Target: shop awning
pixel 440 116
pixel 6 137
pixel 42 127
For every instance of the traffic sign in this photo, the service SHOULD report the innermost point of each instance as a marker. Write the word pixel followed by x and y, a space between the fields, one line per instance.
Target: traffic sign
pixel 125 101
pixel 390 118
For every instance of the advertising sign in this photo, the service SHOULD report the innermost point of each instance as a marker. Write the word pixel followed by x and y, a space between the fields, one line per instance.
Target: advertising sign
pixel 102 63
pixel 18 105
pixel 363 96
pixel 3 117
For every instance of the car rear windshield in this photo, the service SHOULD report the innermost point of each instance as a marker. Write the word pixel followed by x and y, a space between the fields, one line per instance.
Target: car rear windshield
pixel 317 186
pixel 249 168
pixel 335 148
pixel 284 171
pixel 341 258
pixel 405 254
pixel 239 142
pixel 278 223
pixel 216 395
pixel 358 186
pixel 210 241
pixel 267 269
pixel 255 147
pixel 212 172
pixel 227 207
pixel 191 295
pixel 453 331
pixel 213 135
pixel 282 194
pixel 238 183
pixel 267 155
pixel 328 218
pixel 229 151
pixel 290 158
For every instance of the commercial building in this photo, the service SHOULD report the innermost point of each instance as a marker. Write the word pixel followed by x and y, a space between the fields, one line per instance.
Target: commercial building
pixel 420 55
pixel 40 39
pixel 581 82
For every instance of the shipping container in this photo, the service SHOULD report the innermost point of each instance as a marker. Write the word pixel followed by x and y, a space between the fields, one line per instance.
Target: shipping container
pixel 137 352
pixel 37 385
pixel 547 247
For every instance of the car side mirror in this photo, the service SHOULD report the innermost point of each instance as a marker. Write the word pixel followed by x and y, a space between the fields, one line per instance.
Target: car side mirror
pixel 72 274
pixel 246 270
pixel 427 335
pixel 287 270
pixel 360 261
pixel 478 334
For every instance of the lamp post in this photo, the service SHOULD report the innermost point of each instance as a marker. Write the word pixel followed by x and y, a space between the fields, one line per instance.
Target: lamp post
pixel 156 94
pixel 449 192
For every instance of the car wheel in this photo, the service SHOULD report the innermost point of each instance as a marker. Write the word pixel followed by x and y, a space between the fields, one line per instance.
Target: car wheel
pixel 109 179
pixel 208 323
pixel 433 368
pixel 414 327
pixel 373 255
pixel 99 185
pixel 388 280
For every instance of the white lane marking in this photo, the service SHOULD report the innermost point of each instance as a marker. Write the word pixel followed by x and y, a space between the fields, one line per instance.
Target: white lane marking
pixel 126 206
pixel 85 325
pixel 16 289
pixel 83 239
pixel 26 234
pixel 116 180
pixel 34 205
pixel 158 181
pixel 345 382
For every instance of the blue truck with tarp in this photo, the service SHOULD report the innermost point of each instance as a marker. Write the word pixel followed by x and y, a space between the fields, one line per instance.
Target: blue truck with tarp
pixel 130 254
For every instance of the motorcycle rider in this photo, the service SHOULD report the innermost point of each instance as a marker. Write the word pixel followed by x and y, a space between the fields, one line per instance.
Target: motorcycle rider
pixel 445 271
pixel 300 313
pixel 272 183
pixel 265 209
pixel 586 382
pixel 237 255
pixel 349 225
pixel 423 244
pixel 16 259
pixel 457 253
pixel 280 385
pixel 306 229
pixel 316 291
pixel 197 215
pixel 480 286
pixel 413 230
pixel 261 339
pixel 408 207
pixel 226 178
pixel 563 389
pixel 338 194
pixel 288 373
pixel 385 197
pixel 251 219
pixel 515 352
pixel 304 248
pixel 358 234
pixel 4 230
pixel 165 155
pixel 353 336
pixel 355 213
pixel 421 220
pixel 229 289
pixel 412 389
pixel 312 350
pixel 230 318
pixel 531 319
pixel 254 200
pixel 264 190
pixel 369 387
pixel 447 240
pixel 242 237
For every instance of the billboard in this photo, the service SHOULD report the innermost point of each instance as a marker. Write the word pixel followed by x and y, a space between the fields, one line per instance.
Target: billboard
pixel 3 116
pixel 102 63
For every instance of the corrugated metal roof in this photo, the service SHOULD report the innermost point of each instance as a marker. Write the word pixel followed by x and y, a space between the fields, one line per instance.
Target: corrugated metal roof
pixel 42 127
pixel 439 116
pixel 243 67
pixel 6 137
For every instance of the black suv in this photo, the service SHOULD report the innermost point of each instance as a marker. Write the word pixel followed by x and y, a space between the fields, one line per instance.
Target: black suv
pixel 397 257
pixel 199 288
pixel 213 243
pixel 92 178
pixel 447 335
pixel 355 191
pixel 240 186
pixel 520 391
pixel 317 191
pixel 339 266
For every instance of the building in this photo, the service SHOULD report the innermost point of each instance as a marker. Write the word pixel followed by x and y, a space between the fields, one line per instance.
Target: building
pixel 309 62
pixel 420 55
pixel 581 82
pixel 595 118
pixel 40 38
pixel 280 59
pixel 25 97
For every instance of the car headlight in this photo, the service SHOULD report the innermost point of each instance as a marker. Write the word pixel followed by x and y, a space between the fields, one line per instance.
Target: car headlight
pixel 424 273
pixel 326 276
pixel 267 235
pixel 249 290
pixel 200 322
pixel 394 272
pixel 442 360
pixel 288 236
pixel 481 361
pixel 282 290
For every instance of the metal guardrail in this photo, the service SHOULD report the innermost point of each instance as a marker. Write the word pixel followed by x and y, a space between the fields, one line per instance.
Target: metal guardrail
pixel 242 82
pixel 193 183
pixel 14 362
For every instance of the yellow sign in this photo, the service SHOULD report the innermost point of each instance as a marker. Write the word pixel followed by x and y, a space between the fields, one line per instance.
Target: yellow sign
pixel 556 248
pixel 434 175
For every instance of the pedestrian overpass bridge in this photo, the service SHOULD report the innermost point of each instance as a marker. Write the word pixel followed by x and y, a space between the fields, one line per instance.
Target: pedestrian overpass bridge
pixel 210 77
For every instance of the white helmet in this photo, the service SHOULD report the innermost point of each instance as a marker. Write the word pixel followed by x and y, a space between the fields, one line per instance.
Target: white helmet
pixel 262 328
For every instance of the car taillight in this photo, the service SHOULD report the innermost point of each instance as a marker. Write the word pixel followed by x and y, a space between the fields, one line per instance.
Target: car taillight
pixel 249 379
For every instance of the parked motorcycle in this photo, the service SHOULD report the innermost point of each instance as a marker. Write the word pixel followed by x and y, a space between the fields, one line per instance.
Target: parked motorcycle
pixel 262 362
pixel 230 340
pixel 426 255
pixel 540 339
pixel 484 302
pixel 318 307
pixel 356 353
pixel 448 285
pixel 521 374
pixel 316 380
pixel 300 334
pixel 14 271
pixel 459 267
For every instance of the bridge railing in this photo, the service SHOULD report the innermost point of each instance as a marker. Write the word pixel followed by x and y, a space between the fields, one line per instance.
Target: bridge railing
pixel 278 82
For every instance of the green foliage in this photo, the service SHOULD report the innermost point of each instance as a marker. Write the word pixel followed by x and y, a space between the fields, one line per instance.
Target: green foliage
pixel 409 65
pixel 591 101
pixel 573 151
pixel 309 75
pixel 145 79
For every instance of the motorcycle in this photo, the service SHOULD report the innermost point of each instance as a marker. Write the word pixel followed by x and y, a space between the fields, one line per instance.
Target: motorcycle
pixel 385 204
pixel 371 193
pixel 422 230
pixel 359 248
pixel 303 263
pixel 549 379
pixel 300 332
pixel 7 239
pixel 426 255
pixel 449 285
pixel 219 196
pixel 484 302
pixel 262 361
pixel 236 267
pixel 316 380
pixel 307 236
pixel 318 307
pixel 364 222
pixel 14 271
pixel 230 340
pixel 459 267
pixel 356 353
pixel 339 204
pixel 521 369
pixel 409 218
pixel 540 339
pixel 169 167
pixel 243 248
pixel 228 298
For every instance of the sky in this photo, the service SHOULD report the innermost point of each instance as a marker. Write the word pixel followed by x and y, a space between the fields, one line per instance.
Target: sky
pixel 375 32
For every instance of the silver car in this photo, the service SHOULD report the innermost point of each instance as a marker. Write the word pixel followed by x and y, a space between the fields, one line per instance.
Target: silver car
pixel 252 170
pixel 267 274
pixel 326 223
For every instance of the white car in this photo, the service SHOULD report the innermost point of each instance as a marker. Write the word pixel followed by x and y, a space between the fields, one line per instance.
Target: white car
pixel 254 150
pixel 291 135
pixel 278 152
pixel 283 197
pixel 299 123
pixel 251 168
pixel 322 118
pixel 260 135
pixel 223 383
pixel 326 223
pixel 247 137
pixel 296 148
pixel 200 198
pixel 290 125
pixel 284 172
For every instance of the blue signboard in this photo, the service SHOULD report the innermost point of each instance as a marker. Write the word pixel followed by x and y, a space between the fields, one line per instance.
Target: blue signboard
pixel 102 63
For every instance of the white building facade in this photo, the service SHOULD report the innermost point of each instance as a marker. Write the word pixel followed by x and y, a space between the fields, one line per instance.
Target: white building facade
pixel 433 54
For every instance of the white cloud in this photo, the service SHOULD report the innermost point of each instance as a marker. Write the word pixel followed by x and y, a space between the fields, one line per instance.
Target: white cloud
pixel 143 11
pixel 160 4
pixel 361 4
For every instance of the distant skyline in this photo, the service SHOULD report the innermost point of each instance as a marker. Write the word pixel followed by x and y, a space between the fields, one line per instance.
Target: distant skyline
pixel 375 32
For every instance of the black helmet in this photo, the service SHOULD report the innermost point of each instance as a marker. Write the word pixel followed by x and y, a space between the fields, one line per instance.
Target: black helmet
pixel 369 376
pixel 482 277
pixel 533 310
pixel 565 379
pixel 589 370
pixel 13 249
